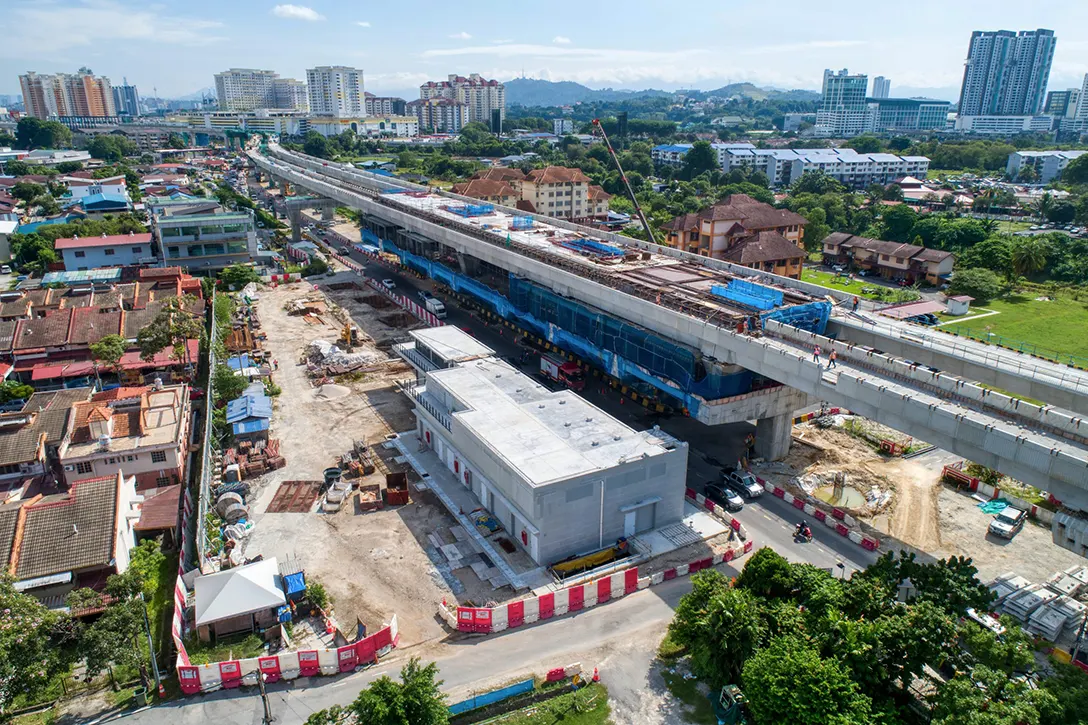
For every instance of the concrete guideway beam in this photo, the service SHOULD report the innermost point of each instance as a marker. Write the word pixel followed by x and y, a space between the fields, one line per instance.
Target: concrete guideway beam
pixel 1016 372
pixel 1045 461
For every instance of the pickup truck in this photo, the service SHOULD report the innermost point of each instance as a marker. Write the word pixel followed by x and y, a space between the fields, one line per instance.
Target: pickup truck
pixel 743 483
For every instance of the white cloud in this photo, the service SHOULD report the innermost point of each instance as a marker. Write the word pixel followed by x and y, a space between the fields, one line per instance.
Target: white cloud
pixel 99 23
pixel 461 36
pixel 297 12
pixel 362 23
pixel 561 40
pixel 501 41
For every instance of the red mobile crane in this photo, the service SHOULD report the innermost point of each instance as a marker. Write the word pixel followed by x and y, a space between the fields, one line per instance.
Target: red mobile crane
pixel 627 184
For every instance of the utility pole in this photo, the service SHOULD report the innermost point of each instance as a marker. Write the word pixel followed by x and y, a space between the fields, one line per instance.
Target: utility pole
pixel 267 719
pixel 151 648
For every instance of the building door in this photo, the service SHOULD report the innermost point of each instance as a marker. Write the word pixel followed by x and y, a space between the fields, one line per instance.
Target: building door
pixel 644 518
pixel 629 519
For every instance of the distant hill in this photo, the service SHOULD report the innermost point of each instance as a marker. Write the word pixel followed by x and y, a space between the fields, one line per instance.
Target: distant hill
pixel 750 90
pixel 533 92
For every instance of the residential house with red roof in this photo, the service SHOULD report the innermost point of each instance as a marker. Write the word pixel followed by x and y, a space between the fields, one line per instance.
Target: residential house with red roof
pixel 890 260
pixel 54 544
pixel 138 431
pixel 740 227
pixel 117 250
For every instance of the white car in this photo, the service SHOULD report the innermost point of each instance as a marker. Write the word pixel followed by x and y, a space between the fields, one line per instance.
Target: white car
pixel 389 284
pixel 1008 523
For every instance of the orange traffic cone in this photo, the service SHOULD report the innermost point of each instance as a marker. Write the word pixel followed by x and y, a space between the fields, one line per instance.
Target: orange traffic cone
pixel 596 675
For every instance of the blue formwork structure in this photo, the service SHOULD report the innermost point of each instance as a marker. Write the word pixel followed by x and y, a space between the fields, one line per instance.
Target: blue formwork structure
pixel 812 317
pixel 522 223
pixel 590 248
pixel 628 353
pixel 471 210
pixel 749 295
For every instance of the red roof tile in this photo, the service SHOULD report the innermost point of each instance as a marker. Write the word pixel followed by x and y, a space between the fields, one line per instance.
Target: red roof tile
pixel 114 240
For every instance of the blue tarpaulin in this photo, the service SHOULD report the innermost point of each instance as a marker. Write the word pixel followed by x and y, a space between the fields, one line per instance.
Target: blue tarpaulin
pixel 238 362
pixel 249 406
pixel 294 583
pixel 251 425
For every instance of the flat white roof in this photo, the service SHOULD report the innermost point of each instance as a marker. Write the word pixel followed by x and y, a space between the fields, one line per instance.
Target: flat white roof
pixel 546 436
pixel 452 344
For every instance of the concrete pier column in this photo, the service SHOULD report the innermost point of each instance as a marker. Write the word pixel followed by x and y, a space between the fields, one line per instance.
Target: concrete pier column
pixel 773 436
pixel 328 213
pixel 296 228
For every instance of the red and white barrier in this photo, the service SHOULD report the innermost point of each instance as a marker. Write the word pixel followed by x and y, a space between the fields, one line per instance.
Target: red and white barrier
pixel 287 665
pixel 843 523
pixel 578 597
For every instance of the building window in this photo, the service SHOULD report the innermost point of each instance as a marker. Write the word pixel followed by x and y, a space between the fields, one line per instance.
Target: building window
pixel 162 481
pixel 84 467
pixel 80 254
pixel 108 252
pixel 158 456
pixel 137 250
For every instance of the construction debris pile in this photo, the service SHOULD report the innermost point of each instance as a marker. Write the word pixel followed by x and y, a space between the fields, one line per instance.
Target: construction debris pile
pixel 1047 609
pixel 325 359
pixel 253 458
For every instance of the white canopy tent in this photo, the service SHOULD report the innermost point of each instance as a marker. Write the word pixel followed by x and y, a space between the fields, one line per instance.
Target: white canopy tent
pixel 236 592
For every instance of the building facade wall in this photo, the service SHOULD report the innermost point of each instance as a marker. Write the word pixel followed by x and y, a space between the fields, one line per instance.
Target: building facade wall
pixel 118 255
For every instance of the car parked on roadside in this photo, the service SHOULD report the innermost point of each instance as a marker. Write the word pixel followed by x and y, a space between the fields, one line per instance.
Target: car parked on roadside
pixel 1008 523
pixel 724 497
pixel 389 284
pixel 742 482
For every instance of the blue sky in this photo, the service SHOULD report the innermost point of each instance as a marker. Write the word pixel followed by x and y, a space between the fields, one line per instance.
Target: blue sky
pixel 177 47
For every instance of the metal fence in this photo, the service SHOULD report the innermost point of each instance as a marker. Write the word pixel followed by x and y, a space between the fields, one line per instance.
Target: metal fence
pixel 207 463
pixel 1021 346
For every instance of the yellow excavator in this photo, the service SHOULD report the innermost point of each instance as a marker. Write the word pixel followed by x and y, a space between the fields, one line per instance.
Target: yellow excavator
pixel 349 337
pixel 578 564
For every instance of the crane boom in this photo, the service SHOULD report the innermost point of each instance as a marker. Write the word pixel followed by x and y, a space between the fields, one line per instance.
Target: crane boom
pixel 626 184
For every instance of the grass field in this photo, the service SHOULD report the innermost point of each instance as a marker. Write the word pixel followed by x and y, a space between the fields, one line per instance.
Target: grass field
pixel 587 706
pixel 1056 326
pixel 856 285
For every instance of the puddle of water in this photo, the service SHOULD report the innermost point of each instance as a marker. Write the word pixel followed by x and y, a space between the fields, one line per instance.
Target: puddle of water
pixel 851 498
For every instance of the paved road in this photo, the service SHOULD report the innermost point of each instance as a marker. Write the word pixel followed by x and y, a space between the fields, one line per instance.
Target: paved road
pixel 590 637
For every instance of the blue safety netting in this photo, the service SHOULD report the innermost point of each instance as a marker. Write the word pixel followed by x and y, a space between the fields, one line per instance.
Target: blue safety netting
pixel 627 352
pixel 522 222
pixel 812 317
pixel 471 210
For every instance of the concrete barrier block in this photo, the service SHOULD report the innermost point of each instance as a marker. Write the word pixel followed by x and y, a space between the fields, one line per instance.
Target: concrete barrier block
pixel 700 499
pixel 810 509
pixel 330 669
pixel 855 537
pixel 500 616
pixel 532 610
pixel 682 570
pixel 787 497
pixel 644 582
pixel 830 523
pixel 657 578
pixel 849 520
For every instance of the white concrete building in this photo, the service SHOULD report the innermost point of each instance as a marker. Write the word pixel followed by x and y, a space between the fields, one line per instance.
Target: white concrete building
pixel 784 166
pixel 1049 165
pixel 481 95
pixel 245 89
pixel 562 476
pixel 1004 125
pixel 1006 73
pixel 396 126
pixel 337 91
pixel 290 94
pixel 882 87
pixel 562 126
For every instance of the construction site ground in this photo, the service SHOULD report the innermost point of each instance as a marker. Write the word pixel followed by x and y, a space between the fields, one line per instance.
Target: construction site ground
pixel 922 512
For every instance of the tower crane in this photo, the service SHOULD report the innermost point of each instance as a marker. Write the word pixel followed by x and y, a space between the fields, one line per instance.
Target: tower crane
pixel 626 184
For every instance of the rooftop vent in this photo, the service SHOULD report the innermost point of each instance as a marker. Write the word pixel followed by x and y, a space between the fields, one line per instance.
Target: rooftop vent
pixel 595 444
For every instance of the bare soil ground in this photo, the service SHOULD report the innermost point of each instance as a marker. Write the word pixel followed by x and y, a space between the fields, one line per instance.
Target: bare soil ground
pixel 371 563
pixel 923 513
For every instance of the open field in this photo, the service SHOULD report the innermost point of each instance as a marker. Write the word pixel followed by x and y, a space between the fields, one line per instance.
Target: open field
pixel 1051 324
pixel 830 279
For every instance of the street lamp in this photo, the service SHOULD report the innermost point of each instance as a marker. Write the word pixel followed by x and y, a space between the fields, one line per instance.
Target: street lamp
pixel 267 719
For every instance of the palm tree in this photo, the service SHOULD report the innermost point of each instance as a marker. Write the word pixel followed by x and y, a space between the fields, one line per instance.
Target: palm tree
pixel 1044 205
pixel 1029 256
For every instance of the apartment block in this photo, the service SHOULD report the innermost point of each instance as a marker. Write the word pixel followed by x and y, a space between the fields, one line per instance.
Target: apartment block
pixel 1062 104
pixel 554 191
pixel 290 94
pixel 479 94
pixel 336 91
pixel 126 100
pixel 1006 72
pixel 854 170
pixel 562 126
pixel 67 94
pixel 882 87
pixel 385 105
pixel 245 89
pixel 1048 165
pixel 843 108
pixel 1004 125
pixel 445 115
pixel 560 475
pixel 204 242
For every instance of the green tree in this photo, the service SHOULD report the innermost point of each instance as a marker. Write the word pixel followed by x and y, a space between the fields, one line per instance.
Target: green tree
pixel 227 384
pixel 1062 212
pixel 67 167
pixel 316 145
pixel 237 276
pixel 1029 255
pixel 415 700
pixel 109 351
pixel 27 190
pixel 865 144
pixel 719 626
pixel 989 697
pixel 898 223
pixel 1027 174
pixel 982 284
pixel 788 682
pixel 1069 686
pixel 1009 653
pixel 699 158
pixel 767 574
pixel 893 192
pixel 36 644
pixel 334 715
pixel 316 266
pixel 173 326
pixel 994 254
pixel 34 133
pixel 14 390
pixel 1044 204
pixel 176 141
pixel 1077 171
pixel 111 148
pixel 816 182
